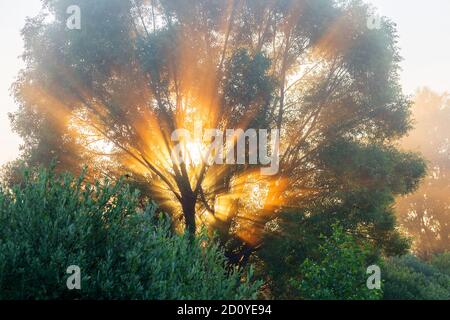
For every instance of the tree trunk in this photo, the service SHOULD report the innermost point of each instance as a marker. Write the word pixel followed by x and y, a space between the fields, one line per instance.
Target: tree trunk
pixel 188 206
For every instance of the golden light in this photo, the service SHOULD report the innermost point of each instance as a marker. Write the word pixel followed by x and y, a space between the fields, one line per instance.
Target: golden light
pixel 194 152
pixel 143 151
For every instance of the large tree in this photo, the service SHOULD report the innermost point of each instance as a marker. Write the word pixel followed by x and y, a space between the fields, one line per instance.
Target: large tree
pixel 111 94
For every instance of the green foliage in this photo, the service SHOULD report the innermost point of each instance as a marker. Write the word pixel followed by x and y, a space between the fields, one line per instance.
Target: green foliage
pixel 51 222
pixel 248 89
pixel 409 278
pixel 308 67
pixel 339 271
pixel 362 181
pixel 442 262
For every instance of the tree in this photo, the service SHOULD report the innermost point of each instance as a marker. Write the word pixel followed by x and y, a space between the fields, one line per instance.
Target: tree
pixel 113 93
pixel 425 214
pixel 363 183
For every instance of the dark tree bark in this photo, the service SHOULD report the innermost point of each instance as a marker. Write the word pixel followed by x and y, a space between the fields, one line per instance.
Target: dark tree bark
pixel 188 206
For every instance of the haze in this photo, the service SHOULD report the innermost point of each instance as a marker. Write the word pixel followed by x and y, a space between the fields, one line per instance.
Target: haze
pixel 423 29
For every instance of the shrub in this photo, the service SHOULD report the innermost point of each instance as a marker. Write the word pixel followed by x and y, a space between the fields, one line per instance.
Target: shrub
pixel 50 222
pixel 409 278
pixel 339 273
pixel 442 262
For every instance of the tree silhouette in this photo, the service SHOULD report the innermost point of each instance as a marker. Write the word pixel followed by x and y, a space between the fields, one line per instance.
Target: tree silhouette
pixel 111 95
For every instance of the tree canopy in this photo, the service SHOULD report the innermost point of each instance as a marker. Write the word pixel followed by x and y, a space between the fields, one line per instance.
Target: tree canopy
pixel 111 94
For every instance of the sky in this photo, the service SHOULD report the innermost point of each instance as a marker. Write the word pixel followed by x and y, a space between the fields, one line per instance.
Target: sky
pixel 424 39
pixel 12 19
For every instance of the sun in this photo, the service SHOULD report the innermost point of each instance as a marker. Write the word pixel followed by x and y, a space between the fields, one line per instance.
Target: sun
pixel 194 153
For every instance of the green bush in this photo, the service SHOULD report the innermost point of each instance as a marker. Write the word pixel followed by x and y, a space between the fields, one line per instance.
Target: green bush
pixel 339 272
pixel 442 262
pixel 50 222
pixel 409 278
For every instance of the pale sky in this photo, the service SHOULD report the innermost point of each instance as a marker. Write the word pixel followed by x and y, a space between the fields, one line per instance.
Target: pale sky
pixel 424 30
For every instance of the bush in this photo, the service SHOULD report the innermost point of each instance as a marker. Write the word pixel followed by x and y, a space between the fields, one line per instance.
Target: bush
pixel 442 262
pixel 409 278
pixel 339 273
pixel 50 222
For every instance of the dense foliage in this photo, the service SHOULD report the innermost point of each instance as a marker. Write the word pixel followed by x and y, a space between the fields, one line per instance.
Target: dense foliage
pixel 409 278
pixel 339 272
pixel 113 93
pixel 137 70
pixel 49 223
pixel 330 266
